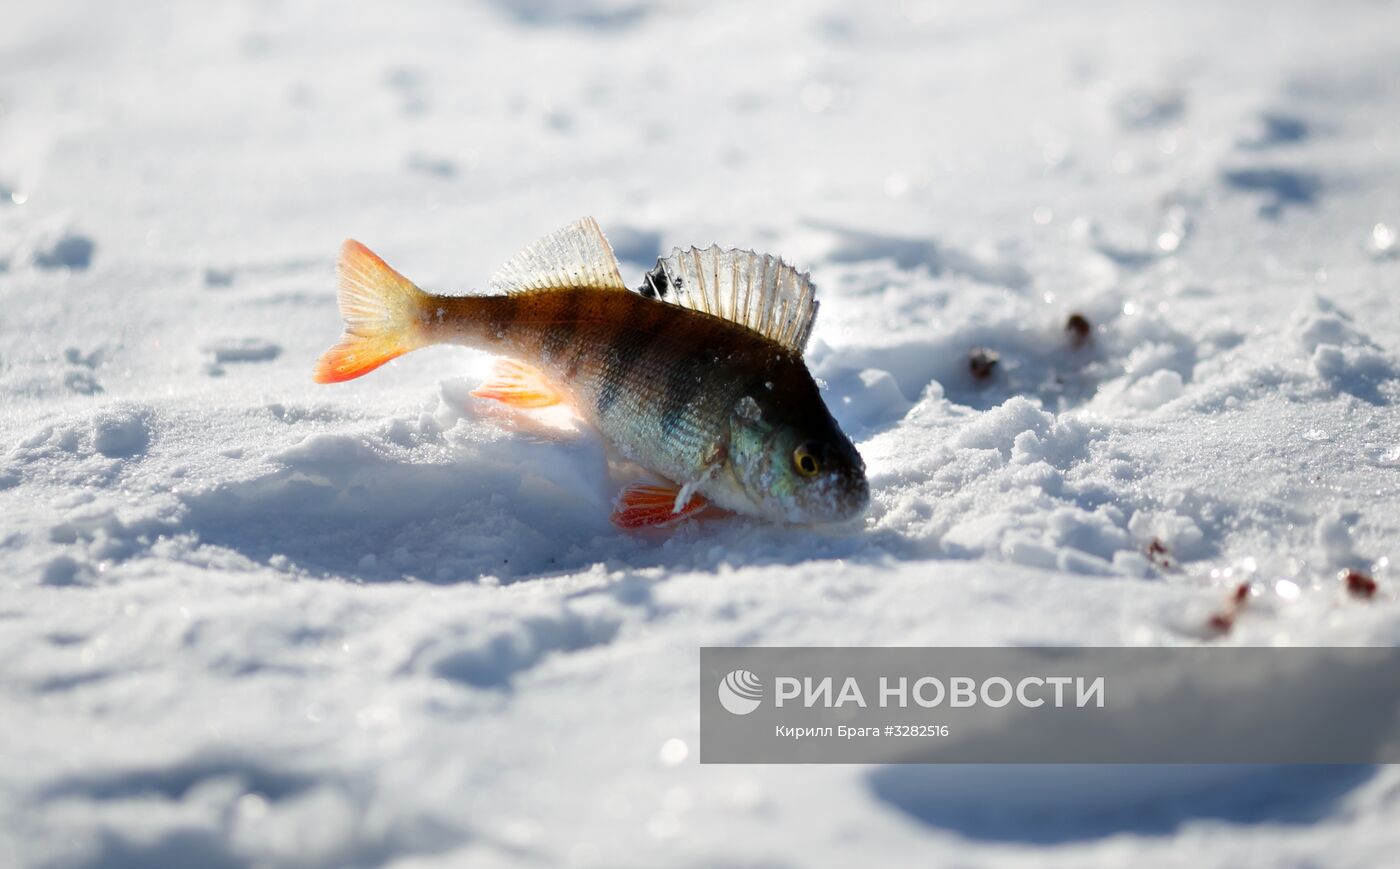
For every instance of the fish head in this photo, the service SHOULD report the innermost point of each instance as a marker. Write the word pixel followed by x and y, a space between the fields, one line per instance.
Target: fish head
pixel 792 459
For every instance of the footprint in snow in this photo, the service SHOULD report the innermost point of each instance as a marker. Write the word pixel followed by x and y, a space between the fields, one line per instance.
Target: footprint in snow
pixel 65 251
pixel 236 350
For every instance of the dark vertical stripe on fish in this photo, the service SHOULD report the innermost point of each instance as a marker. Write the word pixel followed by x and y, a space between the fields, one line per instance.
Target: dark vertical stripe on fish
pixel 504 311
pixel 565 327
pixel 625 350
pixel 683 384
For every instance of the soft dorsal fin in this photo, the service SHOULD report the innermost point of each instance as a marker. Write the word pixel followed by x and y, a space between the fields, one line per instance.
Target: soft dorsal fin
pixel 576 256
pixel 755 290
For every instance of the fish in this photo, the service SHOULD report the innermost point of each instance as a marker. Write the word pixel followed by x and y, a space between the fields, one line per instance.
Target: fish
pixel 697 375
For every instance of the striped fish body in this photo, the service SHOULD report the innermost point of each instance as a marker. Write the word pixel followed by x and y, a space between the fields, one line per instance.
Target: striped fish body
pixel 697 377
pixel 659 381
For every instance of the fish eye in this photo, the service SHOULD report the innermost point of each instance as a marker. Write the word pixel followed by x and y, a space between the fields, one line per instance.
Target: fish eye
pixel 805 459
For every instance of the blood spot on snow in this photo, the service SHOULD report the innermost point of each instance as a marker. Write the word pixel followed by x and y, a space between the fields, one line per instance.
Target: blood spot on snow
pixel 1223 620
pixel 1156 552
pixel 1359 584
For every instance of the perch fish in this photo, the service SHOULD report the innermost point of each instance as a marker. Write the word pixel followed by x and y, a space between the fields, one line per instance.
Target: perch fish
pixel 697 375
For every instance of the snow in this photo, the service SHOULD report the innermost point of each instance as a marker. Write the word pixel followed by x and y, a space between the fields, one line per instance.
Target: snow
pixel 249 620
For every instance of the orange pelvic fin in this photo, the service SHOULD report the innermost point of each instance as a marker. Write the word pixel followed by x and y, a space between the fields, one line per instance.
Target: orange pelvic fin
pixel 381 312
pixel 647 505
pixel 518 386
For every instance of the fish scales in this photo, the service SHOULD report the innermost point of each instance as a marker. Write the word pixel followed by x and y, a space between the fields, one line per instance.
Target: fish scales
pixel 657 379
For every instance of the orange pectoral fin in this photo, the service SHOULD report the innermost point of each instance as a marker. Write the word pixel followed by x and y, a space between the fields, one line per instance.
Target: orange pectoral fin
pixel 645 505
pixel 518 386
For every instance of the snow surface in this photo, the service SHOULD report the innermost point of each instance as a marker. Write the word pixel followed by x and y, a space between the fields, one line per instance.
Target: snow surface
pixel 252 621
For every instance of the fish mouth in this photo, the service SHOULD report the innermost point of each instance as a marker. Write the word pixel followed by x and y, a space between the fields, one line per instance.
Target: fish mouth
pixel 861 502
pixel 855 502
pixel 838 497
pixel 847 484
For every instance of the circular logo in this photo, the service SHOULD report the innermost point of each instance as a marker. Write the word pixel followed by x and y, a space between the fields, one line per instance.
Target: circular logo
pixel 740 692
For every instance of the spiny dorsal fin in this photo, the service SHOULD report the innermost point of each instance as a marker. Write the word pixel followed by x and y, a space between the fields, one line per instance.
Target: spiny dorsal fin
pixel 576 256
pixel 755 290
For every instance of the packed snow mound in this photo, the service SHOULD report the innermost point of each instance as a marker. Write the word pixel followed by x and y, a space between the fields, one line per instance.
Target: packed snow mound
pixel 1107 306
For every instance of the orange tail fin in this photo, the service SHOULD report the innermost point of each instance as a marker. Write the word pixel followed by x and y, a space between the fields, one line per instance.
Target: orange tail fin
pixel 381 310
